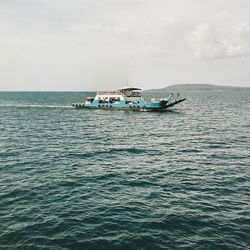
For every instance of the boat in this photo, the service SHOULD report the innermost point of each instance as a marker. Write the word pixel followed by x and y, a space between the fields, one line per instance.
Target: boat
pixel 128 98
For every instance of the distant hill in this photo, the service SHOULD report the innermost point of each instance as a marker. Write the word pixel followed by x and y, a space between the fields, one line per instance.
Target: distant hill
pixel 199 87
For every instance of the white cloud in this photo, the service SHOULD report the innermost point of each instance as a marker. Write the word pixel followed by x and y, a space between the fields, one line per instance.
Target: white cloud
pixel 216 40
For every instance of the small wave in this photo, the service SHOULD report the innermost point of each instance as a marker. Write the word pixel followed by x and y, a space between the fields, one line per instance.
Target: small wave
pixel 112 151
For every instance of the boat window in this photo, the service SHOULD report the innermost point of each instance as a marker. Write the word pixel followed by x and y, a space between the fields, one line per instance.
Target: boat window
pixel 114 100
pixel 131 93
pixel 103 100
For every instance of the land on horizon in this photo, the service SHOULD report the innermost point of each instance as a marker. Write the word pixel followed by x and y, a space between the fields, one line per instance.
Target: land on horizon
pixel 199 87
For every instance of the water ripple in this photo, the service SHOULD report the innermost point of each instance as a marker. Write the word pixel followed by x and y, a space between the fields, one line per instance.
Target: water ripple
pixel 75 179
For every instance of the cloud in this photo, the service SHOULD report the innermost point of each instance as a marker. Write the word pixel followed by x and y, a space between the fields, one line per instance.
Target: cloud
pixel 216 40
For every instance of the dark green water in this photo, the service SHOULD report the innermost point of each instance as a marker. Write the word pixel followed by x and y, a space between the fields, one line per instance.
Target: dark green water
pixel 82 179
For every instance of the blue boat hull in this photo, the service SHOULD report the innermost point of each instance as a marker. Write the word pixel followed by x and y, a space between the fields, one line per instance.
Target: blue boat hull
pixel 150 106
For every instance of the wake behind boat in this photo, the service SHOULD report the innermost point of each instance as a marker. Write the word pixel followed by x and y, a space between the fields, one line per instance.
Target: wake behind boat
pixel 127 99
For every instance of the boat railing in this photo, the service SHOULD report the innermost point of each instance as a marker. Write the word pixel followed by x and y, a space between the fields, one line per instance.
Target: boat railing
pixel 133 94
pixel 120 92
pixel 109 92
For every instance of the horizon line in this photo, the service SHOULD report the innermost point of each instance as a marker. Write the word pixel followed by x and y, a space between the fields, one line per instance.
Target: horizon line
pixel 86 90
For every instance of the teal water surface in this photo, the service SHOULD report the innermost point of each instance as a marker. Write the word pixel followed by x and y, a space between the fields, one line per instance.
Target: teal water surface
pixel 96 179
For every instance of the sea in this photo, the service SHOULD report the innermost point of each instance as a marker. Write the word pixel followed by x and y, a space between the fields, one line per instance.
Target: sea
pixel 106 179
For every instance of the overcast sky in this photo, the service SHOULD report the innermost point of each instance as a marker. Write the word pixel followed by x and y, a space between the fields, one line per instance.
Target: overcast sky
pixel 102 44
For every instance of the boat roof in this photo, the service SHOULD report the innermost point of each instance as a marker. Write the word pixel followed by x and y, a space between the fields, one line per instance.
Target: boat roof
pixel 129 88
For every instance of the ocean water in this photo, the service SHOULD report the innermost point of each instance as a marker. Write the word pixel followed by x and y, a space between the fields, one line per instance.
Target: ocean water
pixel 96 179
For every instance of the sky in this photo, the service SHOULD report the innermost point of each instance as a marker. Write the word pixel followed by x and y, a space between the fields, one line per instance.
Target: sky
pixel 106 44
